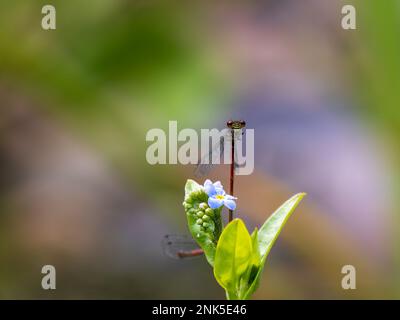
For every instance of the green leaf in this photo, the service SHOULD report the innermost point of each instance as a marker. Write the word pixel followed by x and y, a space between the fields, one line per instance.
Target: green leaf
pixel 232 257
pixel 271 228
pixel 256 256
pixel 253 286
pixel 268 234
pixel 195 204
pixel 252 269
pixel 206 240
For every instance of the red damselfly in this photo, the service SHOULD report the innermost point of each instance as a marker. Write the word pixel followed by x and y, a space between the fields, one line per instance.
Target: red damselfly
pixel 180 246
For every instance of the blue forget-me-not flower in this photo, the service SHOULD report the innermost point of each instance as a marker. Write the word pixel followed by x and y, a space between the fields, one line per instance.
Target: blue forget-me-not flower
pixel 217 196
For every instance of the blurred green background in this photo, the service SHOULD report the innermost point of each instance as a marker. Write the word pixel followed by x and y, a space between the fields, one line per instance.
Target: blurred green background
pixel 76 191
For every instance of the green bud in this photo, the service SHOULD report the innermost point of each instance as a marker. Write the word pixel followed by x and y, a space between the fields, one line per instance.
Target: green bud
pixel 209 212
pixel 199 221
pixel 203 206
pixel 200 213
pixel 205 224
pixel 206 217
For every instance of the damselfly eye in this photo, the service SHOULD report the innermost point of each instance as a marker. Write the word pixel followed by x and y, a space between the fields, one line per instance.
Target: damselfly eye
pixel 229 123
pixel 243 123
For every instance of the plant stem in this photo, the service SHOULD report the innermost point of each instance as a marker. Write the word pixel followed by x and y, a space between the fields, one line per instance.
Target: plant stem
pixel 232 173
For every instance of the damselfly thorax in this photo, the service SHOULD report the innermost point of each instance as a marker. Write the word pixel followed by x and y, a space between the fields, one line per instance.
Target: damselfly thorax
pixel 181 246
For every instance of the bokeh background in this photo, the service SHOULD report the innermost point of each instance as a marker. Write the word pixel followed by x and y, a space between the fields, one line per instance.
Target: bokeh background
pixel 76 191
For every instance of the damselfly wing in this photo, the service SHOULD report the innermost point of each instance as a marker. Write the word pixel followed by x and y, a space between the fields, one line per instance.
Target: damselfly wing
pixel 235 130
pixel 180 246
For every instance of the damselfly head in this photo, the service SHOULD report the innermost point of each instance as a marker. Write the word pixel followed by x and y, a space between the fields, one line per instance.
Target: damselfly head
pixel 236 124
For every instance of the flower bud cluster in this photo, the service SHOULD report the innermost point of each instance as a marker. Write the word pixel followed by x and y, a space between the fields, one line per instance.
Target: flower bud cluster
pixel 196 205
